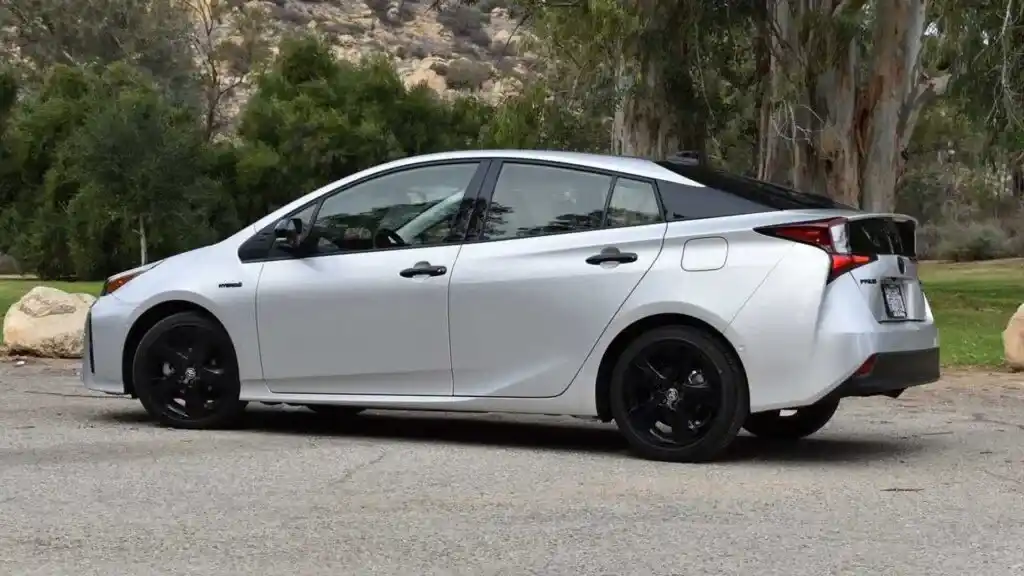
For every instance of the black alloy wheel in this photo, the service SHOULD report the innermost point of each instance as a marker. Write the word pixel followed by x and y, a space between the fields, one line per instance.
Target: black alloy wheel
pixel 800 423
pixel 186 373
pixel 678 394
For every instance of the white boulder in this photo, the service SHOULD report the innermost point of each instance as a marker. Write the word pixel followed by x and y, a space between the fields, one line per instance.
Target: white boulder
pixel 1013 340
pixel 48 323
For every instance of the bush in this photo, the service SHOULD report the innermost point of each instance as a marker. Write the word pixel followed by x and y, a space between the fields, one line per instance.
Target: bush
pixel 973 241
pixel 97 155
pixel 463 20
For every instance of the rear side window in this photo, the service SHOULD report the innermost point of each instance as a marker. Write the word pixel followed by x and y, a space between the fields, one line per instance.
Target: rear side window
pixel 531 200
pixel 751 195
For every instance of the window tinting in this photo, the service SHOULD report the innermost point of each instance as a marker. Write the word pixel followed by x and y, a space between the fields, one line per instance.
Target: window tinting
pixel 770 195
pixel 633 203
pixel 534 200
pixel 882 236
pixel 408 208
pixel 684 202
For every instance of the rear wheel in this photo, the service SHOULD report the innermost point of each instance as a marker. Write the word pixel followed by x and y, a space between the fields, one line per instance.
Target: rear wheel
pixel 802 422
pixel 186 374
pixel 678 394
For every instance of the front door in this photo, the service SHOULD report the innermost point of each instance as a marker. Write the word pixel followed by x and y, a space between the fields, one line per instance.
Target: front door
pixel 364 310
pixel 556 258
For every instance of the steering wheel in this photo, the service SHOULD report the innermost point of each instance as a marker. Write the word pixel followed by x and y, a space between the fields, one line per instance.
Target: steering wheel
pixel 392 238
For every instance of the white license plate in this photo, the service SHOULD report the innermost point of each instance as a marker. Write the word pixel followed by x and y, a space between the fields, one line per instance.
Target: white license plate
pixel 895 305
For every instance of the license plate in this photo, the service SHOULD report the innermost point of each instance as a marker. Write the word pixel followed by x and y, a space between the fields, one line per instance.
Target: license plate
pixel 895 306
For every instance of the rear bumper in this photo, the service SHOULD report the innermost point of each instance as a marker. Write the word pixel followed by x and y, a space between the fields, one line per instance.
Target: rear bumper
pixel 892 373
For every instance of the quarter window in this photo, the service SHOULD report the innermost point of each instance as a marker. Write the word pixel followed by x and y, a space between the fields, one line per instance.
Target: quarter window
pixel 633 203
pixel 531 200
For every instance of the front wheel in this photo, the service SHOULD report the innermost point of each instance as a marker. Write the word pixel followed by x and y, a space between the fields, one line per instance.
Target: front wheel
pixel 803 422
pixel 678 394
pixel 186 374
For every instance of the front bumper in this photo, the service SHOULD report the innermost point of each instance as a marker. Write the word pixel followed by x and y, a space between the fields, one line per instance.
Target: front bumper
pixel 892 373
pixel 103 342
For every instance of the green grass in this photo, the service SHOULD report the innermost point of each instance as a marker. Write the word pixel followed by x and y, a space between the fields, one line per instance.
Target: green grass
pixel 971 302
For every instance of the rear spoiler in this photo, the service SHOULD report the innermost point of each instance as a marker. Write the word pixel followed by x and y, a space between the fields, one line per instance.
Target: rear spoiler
pixel 881 215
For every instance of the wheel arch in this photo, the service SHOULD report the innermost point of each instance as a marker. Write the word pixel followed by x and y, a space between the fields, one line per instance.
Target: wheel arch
pixel 147 320
pixel 631 332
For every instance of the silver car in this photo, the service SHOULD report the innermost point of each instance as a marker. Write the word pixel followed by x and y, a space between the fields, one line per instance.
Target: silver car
pixel 680 302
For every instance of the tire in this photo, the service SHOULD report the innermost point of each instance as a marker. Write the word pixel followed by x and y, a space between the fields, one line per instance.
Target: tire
pixel 335 411
pixel 186 373
pixel 803 422
pixel 719 393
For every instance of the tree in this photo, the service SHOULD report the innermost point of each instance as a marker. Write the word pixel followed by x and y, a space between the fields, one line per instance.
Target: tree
pixel 230 42
pixel 150 34
pixel 137 164
pixel 111 173
pixel 314 119
pixel 848 86
pixel 842 82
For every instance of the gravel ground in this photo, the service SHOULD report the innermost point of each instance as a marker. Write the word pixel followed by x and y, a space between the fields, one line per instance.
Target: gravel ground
pixel 932 483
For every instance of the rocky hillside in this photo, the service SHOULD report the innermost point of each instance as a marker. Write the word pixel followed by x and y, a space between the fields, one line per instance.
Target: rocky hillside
pixel 452 47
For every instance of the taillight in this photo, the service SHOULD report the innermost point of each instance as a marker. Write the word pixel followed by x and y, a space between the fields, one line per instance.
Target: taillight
pixel 829 235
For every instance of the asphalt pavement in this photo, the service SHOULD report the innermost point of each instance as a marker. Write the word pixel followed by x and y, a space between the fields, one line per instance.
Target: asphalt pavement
pixel 932 483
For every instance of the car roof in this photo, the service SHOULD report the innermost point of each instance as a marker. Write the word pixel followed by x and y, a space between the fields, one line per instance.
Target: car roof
pixel 635 166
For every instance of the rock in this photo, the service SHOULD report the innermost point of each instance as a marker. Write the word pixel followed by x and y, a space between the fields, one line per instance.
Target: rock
pixel 1013 340
pixel 503 44
pixel 47 322
pixel 426 75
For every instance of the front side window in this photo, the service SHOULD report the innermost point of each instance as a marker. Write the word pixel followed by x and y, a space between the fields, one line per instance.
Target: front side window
pixel 415 207
pixel 532 200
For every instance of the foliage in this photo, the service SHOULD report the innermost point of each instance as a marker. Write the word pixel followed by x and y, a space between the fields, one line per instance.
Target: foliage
pixel 102 167
pixel 973 241
pixel 152 35
pixel 101 153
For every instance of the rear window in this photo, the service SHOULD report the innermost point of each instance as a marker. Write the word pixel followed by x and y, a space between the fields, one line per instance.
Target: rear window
pixel 883 236
pixel 771 196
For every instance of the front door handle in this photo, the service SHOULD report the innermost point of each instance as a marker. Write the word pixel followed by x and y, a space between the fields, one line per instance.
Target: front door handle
pixel 612 254
pixel 423 269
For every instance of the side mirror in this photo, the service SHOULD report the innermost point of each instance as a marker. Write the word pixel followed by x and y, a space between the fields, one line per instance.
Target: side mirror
pixel 287 233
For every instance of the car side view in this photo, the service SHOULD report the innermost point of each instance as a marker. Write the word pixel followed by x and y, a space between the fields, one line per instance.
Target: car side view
pixel 681 302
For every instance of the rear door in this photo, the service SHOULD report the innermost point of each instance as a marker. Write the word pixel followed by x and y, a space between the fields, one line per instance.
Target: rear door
pixel 890 284
pixel 556 253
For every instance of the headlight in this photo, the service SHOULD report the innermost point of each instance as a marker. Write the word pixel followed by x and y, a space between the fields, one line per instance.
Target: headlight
pixel 121 278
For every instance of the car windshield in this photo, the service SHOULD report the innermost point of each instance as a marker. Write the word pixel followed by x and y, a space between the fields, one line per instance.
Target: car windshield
pixel 760 191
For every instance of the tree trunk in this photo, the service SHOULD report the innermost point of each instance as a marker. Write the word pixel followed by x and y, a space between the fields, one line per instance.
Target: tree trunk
pixel 851 120
pixel 645 120
pixel 143 247
pixel 772 163
pixel 891 81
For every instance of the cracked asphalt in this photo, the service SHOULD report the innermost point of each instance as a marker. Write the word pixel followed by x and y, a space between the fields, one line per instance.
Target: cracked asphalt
pixel 932 483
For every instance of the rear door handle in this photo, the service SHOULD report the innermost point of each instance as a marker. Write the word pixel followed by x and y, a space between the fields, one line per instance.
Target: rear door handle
pixel 612 254
pixel 423 269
